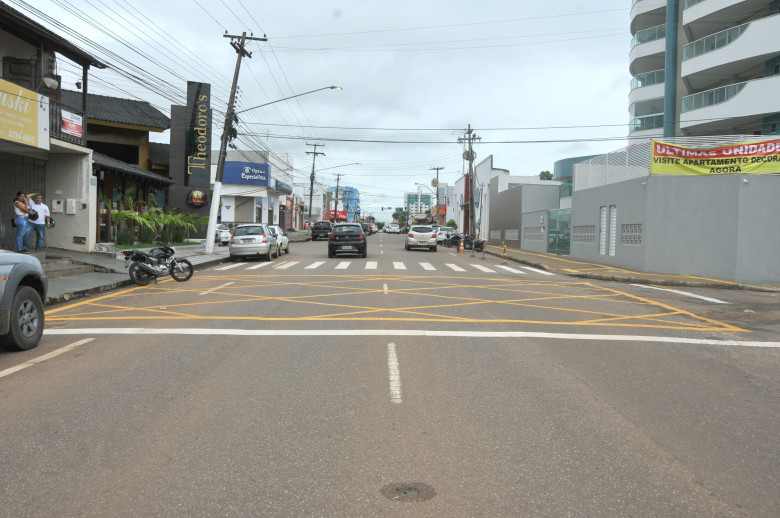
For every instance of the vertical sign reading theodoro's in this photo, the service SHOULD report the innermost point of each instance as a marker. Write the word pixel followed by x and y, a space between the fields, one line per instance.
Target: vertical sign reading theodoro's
pixel 197 145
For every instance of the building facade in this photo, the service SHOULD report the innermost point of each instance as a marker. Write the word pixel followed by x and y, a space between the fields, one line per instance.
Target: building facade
pixel 704 67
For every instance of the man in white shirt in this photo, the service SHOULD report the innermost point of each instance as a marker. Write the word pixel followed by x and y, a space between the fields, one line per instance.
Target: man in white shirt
pixel 39 225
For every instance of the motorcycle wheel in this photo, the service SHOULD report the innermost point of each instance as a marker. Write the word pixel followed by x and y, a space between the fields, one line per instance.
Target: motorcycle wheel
pixel 181 270
pixel 138 275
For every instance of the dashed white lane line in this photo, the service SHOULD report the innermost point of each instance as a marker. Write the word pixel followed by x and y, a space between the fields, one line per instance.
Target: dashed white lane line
pixel 455 267
pixel 394 374
pixel 399 266
pixel 343 265
pixel 684 293
pixel 507 268
pixel 228 267
pixel 428 266
pixel 483 268
pixel 385 289
pixel 258 265
pixel 371 265
pixel 43 358
pixel 215 288
pixel 314 265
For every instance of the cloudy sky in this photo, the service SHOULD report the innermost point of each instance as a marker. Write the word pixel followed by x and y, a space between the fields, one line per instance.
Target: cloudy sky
pixel 537 81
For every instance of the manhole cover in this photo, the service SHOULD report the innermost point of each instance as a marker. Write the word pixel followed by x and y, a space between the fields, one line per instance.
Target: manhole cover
pixel 411 492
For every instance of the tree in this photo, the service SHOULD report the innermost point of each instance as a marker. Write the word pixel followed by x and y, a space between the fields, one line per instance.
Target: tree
pixel 545 175
pixel 451 223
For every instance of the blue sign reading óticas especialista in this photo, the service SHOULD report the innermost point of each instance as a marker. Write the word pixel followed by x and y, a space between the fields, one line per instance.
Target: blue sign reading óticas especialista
pixel 247 173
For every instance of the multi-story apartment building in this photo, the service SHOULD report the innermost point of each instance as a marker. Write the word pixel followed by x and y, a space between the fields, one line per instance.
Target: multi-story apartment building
pixel 705 67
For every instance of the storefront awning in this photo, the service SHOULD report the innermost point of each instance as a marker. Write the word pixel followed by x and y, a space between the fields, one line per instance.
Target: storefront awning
pixel 102 162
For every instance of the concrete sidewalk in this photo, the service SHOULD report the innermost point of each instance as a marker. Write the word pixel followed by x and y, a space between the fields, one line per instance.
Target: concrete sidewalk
pixel 573 267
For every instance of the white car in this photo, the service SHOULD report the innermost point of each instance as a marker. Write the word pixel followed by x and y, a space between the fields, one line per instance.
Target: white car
pixel 281 238
pixel 393 229
pixel 222 235
pixel 421 236
pixel 443 233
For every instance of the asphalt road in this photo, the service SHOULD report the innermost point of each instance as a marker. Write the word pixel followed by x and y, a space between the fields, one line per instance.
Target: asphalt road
pixel 404 384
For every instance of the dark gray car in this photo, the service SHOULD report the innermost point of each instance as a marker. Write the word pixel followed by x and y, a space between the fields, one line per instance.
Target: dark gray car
pixel 22 292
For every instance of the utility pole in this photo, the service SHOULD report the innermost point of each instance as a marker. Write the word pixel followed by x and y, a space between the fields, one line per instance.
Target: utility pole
pixel 438 216
pixel 470 155
pixel 336 201
pixel 311 178
pixel 227 134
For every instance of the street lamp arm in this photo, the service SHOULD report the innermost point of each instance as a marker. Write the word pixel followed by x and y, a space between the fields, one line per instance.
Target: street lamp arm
pixel 291 97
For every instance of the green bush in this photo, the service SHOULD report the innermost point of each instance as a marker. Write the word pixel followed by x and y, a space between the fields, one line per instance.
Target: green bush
pixel 178 235
pixel 147 235
pixel 125 237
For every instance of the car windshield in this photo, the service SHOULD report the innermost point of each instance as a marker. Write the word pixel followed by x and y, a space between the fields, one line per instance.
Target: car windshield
pixel 222 227
pixel 248 231
pixel 422 229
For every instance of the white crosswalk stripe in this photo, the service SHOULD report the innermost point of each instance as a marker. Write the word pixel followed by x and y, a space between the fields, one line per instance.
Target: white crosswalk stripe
pixel 483 268
pixel 537 270
pixel 343 265
pixel 507 268
pixel 455 267
pixel 371 265
pixel 399 266
pixel 427 266
pixel 258 265
pixel 314 265
pixel 286 265
pixel 228 267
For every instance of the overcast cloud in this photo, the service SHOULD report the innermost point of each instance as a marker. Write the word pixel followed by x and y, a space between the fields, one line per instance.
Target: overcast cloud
pixel 530 77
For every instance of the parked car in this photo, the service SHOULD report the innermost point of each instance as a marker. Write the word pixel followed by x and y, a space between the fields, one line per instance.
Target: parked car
pixel 366 228
pixel 443 233
pixel 253 240
pixel 347 238
pixel 22 292
pixel 374 229
pixel 421 236
pixel 222 236
pixel 320 229
pixel 281 238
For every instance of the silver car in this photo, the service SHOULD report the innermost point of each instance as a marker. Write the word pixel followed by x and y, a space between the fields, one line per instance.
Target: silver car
pixel 253 240
pixel 421 236
pixel 222 235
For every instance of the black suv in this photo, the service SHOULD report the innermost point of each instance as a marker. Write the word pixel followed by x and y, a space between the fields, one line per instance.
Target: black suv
pixel 320 229
pixel 347 238
pixel 22 293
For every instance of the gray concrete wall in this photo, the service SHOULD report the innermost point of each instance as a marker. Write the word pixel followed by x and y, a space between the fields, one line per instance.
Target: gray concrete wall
pixel 715 226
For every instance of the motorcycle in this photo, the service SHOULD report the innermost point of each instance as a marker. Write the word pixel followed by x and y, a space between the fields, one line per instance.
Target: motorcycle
pixel 469 243
pixel 157 262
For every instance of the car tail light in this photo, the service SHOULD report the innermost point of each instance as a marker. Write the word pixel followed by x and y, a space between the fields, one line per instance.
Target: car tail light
pixel 362 235
pixel 410 234
pixel 330 236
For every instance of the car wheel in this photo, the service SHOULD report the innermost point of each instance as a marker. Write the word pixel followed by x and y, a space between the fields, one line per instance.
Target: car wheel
pixel 433 249
pixel 287 249
pixel 364 254
pixel 267 256
pixel 26 320
pixel 330 253
pixel 277 254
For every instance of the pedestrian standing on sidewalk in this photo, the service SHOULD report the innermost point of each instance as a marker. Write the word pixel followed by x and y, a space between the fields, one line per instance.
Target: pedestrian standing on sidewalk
pixel 39 225
pixel 20 220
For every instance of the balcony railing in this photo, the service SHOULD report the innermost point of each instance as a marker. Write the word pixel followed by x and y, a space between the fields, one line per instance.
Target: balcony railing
pixel 647 123
pixel 653 33
pixel 711 97
pixel 648 78
pixel 713 41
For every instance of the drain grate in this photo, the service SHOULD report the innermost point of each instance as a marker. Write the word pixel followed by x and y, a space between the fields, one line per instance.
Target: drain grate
pixel 408 492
